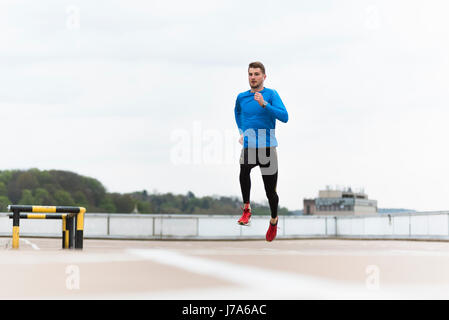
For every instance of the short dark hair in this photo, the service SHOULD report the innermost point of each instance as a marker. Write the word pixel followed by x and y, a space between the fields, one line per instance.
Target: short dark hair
pixel 257 64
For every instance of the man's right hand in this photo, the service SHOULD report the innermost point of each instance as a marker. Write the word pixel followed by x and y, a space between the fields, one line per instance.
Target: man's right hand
pixel 241 139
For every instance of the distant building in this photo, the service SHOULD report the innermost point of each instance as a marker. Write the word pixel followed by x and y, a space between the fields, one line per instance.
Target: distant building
pixel 337 202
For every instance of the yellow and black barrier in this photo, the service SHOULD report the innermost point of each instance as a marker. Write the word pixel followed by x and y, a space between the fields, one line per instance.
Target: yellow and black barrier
pixel 72 222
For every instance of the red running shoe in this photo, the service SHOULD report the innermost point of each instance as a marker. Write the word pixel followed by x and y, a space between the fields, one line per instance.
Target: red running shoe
pixel 272 231
pixel 245 218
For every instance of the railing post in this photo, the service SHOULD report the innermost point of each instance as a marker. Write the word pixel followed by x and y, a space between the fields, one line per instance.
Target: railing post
pixel 79 232
pixel 66 231
pixel 70 219
pixel 336 228
pixel 64 227
pixel 325 224
pixel 15 229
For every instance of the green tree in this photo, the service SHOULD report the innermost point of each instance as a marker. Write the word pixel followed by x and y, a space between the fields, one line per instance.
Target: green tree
pixel 94 190
pixel 123 203
pixel 206 202
pixel 4 202
pixel 63 198
pixel 27 197
pixel 5 176
pixel 107 205
pixel 80 199
pixel 42 197
pixel 3 190
pixel 46 178
pixel 144 207
pixel 27 180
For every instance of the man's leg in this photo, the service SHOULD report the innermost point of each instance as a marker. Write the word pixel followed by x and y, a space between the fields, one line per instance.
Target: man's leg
pixel 245 181
pixel 270 182
pixel 245 186
pixel 247 162
pixel 270 177
pixel 269 170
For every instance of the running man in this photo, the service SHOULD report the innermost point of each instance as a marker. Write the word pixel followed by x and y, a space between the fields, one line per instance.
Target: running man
pixel 256 111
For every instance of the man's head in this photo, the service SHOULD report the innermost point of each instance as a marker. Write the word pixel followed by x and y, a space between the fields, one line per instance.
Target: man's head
pixel 256 75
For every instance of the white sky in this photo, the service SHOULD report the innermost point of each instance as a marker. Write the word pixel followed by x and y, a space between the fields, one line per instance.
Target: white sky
pixel 140 94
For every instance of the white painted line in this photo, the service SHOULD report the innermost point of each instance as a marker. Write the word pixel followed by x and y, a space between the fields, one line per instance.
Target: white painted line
pixel 313 252
pixel 34 246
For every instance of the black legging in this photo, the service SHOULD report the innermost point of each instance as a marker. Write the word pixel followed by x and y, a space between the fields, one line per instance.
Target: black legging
pixel 266 159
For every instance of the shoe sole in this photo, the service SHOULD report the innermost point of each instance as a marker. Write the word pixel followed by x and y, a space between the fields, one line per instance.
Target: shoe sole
pixel 244 224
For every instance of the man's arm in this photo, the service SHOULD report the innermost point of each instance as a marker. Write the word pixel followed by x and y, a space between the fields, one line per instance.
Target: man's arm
pixel 238 119
pixel 277 108
pixel 238 115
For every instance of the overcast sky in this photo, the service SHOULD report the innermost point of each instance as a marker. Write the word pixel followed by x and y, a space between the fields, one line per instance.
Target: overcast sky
pixel 141 94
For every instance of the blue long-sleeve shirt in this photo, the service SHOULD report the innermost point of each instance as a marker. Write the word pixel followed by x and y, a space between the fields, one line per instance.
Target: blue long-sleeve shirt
pixel 258 124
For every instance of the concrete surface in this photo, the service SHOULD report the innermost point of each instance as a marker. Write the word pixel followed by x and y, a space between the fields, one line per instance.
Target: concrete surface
pixel 283 269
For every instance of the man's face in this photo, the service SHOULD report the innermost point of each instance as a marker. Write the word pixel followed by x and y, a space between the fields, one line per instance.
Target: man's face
pixel 256 78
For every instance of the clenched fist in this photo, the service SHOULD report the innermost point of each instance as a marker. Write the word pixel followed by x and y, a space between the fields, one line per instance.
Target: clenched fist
pixel 259 98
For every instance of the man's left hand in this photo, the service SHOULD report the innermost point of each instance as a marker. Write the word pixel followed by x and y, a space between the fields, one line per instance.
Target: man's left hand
pixel 259 98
